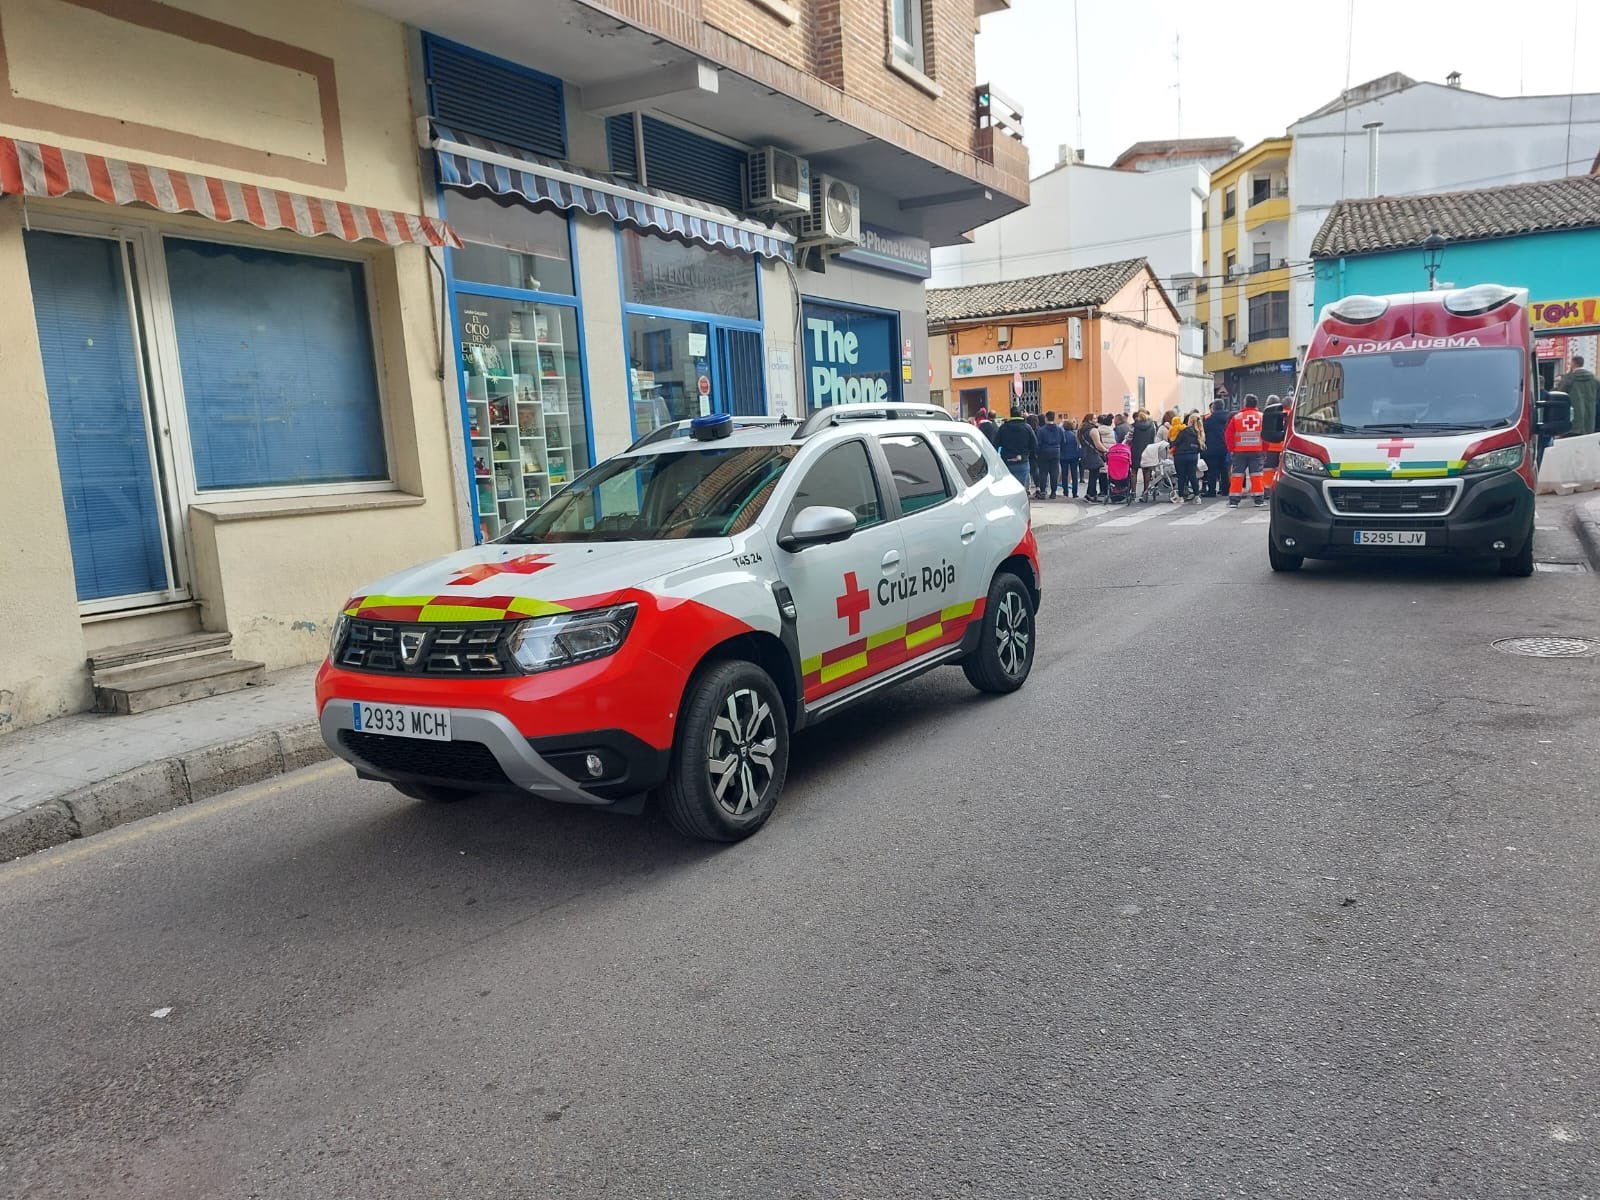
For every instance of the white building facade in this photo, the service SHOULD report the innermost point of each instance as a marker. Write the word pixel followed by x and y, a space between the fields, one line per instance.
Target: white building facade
pixel 1430 137
pixel 1082 216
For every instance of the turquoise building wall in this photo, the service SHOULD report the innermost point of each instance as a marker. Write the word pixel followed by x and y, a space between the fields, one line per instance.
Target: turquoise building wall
pixel 1552 266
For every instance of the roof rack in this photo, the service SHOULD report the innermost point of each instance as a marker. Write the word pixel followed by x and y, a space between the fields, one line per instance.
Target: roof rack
pixel 837 414
pixel 674 429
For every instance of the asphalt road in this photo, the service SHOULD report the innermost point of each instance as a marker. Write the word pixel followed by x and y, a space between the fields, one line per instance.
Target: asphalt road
pixel 1261 887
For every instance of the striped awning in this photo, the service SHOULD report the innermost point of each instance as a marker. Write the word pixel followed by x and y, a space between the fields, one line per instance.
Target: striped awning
pixel 36 169
pixel 469 162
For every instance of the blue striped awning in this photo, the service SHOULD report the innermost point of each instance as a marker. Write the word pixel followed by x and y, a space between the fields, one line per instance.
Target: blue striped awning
pixel 470 162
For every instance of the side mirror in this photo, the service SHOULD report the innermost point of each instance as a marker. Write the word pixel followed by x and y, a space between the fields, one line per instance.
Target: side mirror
pixel 1552 415
pixel 818 525
pixel 1274 423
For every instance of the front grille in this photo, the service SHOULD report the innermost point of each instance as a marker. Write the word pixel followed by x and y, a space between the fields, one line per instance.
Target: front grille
pixel 468 762
pixel 1391 501
pixel 396 649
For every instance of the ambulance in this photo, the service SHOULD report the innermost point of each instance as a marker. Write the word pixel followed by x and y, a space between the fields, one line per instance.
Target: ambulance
pixel 1414 431
pixel 665 622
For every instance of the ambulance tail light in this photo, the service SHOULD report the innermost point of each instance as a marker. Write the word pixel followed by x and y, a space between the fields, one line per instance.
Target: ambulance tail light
pixel 1475 301
pixel 1358 310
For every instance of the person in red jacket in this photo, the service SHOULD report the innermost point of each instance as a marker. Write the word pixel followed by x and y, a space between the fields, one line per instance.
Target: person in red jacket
pixel 1246 448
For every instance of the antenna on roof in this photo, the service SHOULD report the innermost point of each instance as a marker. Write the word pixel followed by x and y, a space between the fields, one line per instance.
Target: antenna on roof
pixel 1177 75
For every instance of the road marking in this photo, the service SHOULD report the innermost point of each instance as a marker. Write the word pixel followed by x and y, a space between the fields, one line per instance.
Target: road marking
pixel 1204 515
pixel 1262 520
pixel 1135 518
pixel 70 852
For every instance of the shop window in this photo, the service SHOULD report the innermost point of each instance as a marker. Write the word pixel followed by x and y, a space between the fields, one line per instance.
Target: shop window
pixel 511 246
pixel 667 359
pixel 852 355
pixel 527 424
pixel 278 369
pixel 478 93
pixel 659 273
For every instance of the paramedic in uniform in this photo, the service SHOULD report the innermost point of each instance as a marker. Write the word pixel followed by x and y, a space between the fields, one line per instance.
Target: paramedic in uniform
pixel 1245 446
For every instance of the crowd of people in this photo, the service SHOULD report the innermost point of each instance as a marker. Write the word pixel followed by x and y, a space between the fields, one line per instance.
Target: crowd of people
pixel 1182 456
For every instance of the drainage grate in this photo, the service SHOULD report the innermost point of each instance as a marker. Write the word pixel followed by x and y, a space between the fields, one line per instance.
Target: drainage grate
pixel 1548 647
pixel 1569 568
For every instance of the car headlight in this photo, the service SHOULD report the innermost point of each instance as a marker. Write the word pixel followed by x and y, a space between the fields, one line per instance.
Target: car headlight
pixel 545 643
pixel 1303 464
pixel 341 626
pixel 1507 458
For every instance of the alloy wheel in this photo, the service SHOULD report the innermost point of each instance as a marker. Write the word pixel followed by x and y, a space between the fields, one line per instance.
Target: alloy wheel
pixel 1012 633
pixel 744 737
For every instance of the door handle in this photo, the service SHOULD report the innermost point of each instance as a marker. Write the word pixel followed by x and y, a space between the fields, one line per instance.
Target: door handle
pixel 968 532
pixel 891 562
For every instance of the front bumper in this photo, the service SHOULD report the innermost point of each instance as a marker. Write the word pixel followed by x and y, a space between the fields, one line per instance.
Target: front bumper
pixel 487 753
pixel 1492 508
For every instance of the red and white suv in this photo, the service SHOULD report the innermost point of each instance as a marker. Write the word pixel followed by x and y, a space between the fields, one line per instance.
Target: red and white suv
pixel 666 621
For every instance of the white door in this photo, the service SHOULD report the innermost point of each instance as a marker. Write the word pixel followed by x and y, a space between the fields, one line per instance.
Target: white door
pixel 848 596
pixel 941 535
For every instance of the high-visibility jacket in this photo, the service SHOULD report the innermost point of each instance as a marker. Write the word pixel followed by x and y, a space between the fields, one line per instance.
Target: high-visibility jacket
pixel 1244 431
pixel 1277 446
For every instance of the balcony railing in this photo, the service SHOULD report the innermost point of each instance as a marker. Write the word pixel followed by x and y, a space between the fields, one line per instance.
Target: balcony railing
pixel 997 132
pixel 1270 332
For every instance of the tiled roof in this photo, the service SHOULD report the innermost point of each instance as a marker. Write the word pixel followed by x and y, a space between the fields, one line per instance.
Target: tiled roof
pixel 1213 145
pixel 1396 222
pixel 1038 293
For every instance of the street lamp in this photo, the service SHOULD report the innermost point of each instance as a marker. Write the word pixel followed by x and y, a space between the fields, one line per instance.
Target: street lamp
pixel 1432 255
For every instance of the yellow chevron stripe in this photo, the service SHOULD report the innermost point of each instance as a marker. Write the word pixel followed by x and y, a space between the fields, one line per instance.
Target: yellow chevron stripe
pixel 832 671
pixel 926 634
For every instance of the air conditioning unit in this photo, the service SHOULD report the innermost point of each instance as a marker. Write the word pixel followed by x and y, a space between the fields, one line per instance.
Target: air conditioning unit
pixel 835 216
pixel 777 182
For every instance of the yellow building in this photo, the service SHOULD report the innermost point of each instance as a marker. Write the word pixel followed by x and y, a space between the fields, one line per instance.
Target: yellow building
pixel 1243 296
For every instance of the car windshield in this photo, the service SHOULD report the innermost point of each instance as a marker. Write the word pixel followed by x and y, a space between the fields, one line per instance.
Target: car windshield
pixel 676 493
pixel 1446 390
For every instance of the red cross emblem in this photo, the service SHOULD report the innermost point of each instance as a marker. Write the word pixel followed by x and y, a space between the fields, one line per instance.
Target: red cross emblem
pixel 1394 445
pixel 527 564
pixel 855 601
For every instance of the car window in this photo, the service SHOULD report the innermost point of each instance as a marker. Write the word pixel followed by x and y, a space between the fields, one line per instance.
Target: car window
pixel 917 476
pixel 842 478
pixel 684 492
pixel 968 455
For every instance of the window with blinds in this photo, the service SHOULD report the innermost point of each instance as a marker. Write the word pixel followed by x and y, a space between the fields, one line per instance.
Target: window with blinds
pixel 279 377
pixel 479 93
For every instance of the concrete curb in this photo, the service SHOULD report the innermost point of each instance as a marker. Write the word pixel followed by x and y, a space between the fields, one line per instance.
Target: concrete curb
pixel 1586 522
pixel 159 786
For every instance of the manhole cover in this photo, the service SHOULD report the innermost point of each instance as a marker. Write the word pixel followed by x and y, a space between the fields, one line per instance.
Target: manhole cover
pixel 1548 647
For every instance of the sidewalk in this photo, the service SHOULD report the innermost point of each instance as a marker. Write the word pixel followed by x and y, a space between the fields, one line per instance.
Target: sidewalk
pixel 81 774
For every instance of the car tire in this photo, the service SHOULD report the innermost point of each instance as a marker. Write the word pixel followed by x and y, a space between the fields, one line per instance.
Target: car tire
pixel 1006 642
pixel 430 793
pixel 1520 564
pixel 731 754
pixel 1279 560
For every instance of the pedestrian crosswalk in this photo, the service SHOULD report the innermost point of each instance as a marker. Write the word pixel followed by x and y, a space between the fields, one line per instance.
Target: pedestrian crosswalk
pixel 1120 517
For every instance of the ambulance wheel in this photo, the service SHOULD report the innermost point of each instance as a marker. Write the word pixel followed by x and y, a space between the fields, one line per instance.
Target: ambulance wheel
pixel 431 794
pixel 731 754
pixel 1279 561
pixel 1004 655
pixel 1520 564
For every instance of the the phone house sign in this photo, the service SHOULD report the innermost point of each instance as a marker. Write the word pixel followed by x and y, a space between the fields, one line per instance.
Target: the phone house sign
pixel 1006 362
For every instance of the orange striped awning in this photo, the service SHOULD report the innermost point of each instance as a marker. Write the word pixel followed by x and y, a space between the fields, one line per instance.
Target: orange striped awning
pixel 36 169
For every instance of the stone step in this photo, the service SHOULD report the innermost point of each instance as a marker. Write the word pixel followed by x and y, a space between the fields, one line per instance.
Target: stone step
pixel 159 650
pixel 165 684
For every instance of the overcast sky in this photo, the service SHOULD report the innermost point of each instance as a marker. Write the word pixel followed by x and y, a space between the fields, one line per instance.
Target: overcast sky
pixel 1249 67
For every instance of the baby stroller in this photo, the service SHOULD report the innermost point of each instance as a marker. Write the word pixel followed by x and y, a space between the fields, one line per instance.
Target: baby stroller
pixel 1163 483
pixel 1119 472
